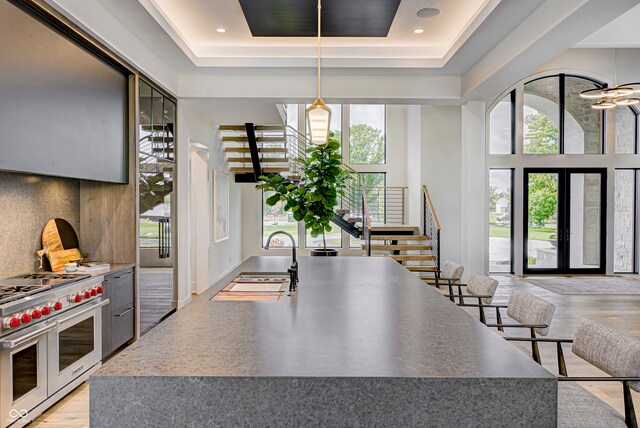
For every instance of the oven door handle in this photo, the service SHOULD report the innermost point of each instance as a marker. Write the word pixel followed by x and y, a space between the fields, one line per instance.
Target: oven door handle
pixel 10 343
pixel 92 307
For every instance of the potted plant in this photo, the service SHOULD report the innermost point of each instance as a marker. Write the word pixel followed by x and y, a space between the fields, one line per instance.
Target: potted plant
pixel 315 197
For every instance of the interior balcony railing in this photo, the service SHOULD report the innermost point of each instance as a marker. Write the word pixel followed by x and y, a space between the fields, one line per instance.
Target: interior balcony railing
pixel 431 225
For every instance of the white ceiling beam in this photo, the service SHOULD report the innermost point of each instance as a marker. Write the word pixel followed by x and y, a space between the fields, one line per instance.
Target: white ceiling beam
pixel 335 88
pixel 554 27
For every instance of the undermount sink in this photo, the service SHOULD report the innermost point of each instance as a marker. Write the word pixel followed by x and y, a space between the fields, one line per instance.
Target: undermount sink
pixel 250 286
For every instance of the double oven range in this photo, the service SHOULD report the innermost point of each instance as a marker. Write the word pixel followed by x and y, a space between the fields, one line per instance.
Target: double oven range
pixel 50 340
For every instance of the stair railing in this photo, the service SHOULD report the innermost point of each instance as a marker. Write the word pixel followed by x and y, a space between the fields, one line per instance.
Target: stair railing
pixel 431 225
pixel 366 222
pixel 387 204
pixel 296 148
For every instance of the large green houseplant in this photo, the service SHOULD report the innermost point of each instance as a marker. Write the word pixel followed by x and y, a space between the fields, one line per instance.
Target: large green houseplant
pixel 315 197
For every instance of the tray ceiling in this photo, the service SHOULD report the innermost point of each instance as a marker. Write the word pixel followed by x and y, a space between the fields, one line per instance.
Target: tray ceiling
pixel 280 33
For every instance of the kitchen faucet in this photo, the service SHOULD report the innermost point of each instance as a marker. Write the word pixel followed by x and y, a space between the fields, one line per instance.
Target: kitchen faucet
pixel 293 270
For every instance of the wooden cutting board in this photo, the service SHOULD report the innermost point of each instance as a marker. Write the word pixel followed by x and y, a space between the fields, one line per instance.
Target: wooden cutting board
pixel 58 235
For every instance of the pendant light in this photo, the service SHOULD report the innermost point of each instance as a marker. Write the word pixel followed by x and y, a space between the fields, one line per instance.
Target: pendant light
pixel 318 113
pixel 618 95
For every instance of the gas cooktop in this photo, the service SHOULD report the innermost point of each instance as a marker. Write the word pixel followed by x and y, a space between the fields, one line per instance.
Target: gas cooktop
pixel 26 285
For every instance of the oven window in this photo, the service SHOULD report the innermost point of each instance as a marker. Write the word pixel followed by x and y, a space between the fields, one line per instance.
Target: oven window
pixel 75 342
pixel 24 371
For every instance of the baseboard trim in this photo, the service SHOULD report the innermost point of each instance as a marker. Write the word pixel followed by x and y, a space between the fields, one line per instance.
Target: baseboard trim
pixel 223 274
pixel 180 303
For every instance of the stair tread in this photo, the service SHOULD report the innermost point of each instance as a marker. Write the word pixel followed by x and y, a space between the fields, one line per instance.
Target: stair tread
pixel 260 149
pixel 399 247
pixel 263 160
pixel 265 170
pixel 394 227
pixel 422 268
pixel 399 238
pixel 411 257
pixel 258 127
pixel 243 139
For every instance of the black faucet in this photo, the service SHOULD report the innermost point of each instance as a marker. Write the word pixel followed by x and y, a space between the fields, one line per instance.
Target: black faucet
pixel 293 270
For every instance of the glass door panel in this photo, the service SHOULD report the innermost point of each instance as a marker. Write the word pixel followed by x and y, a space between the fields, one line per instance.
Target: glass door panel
pixel 541 243
pixel 75 343
pixel 156 198
pixel 585 220
pixel 565 218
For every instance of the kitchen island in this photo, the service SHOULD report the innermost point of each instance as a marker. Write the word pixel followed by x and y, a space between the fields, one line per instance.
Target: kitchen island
pixel 364 342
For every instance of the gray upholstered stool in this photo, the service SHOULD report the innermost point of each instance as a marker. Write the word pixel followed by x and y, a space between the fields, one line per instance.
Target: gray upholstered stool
pixel 450 275
pixel 531 312
pixel 612 352
pixel 479 287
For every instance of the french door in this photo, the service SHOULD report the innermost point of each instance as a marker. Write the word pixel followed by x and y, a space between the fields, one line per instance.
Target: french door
pixel 564 219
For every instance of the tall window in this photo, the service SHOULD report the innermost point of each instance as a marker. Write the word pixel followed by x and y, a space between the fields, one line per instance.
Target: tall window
pixel 367 134
pixel 501 124
pixel 542 116
pixel 275 218
pixel 500 213
pixel 582 124
pixel 557 120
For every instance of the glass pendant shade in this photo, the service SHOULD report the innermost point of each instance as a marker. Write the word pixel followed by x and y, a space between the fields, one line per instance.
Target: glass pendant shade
pixel 318 121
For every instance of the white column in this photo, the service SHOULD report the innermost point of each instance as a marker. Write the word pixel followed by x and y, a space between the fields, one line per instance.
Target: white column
pixel 414 170
pixel 474 185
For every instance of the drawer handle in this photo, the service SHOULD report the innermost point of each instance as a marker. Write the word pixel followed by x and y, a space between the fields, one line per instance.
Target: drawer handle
pixel 125 275
pixel 125 312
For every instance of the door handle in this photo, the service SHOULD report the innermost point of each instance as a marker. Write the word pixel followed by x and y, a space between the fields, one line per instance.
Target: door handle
pixel 9 343
pixel 124 313
pixel 84 311
pixel 124 275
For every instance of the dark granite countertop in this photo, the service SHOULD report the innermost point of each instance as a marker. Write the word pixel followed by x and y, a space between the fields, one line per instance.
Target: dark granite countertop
pixel 351 317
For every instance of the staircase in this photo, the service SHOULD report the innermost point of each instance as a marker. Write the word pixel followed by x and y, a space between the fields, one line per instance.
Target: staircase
pixel 376 215
pixel 403 243
pixel 255 150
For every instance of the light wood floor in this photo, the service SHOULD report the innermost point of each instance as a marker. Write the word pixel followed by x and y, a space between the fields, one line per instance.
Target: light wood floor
pixel 619 312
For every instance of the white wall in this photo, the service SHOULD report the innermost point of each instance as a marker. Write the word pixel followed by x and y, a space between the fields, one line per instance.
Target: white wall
pixel 198 126
pixel 441 163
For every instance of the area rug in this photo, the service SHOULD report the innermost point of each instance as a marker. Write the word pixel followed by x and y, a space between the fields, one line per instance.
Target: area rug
pixel 588 285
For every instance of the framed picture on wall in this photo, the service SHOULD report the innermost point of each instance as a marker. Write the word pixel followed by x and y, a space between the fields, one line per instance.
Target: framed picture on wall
pixel 220 206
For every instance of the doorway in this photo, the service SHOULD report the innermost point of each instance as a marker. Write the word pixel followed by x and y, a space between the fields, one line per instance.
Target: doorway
pixel 200 186
pixel 156 199
pixel 565 219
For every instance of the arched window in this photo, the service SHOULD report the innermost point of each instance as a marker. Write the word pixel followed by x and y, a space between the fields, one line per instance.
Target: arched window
pixel 561 227
pixel 557 121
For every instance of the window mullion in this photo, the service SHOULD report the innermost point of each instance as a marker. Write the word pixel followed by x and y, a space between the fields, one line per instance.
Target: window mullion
pixel 561 104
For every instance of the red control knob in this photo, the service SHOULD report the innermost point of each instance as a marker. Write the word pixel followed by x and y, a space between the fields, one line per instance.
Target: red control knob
pixel 87 294
pixel 11 322
pixel 77 298
pixel 46 310
pixel 94 292
pixel 99 289
pixel 57 306
pixel 35 314
pixel 25 318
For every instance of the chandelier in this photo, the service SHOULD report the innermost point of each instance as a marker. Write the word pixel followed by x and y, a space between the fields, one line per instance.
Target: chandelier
pixel 618 95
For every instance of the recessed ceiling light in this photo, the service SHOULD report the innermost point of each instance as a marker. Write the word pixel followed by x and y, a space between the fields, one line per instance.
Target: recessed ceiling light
pixel 418 31
pixel 221 30
pixel 428 12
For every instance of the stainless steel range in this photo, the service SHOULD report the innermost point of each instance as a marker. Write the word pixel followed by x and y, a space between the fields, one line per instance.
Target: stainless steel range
pixel 50 340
